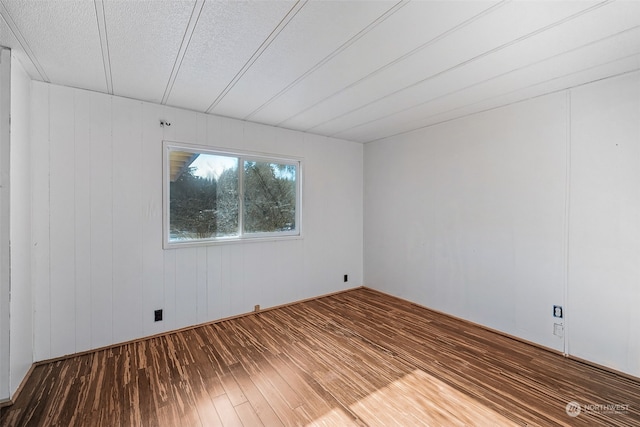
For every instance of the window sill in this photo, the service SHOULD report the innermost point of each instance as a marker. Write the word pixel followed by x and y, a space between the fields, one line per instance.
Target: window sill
pixel 230 241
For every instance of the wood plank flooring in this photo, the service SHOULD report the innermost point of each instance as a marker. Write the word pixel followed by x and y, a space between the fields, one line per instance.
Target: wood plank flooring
pixel 360 358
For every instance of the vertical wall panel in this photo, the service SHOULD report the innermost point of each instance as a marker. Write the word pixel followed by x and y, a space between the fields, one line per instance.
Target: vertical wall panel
pixel 256 269
pixel 213 130
pixel 256 137
pixel 201 128
pixel 202 311
pixel 231 135
pixel 202 297
pixel 184 126
pixel 326 223
pixel 101 221
pixel 237 289
pixel 127 222
pixel 40 220
pixel 152 252
pixel 604 245
pixel 186 286
pixel 170 304
pixel 21 305
pixel 224 291
pixel 82 215
pixel 5 263
pixel 215 304
pixel 296 265
pixel 285 261
pixel 62 214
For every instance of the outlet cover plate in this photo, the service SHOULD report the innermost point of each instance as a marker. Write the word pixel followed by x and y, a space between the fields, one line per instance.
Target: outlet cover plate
pixel 558 329
pixel 557 311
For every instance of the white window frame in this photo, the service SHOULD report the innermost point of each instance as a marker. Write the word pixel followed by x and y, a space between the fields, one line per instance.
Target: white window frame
pixel 242 156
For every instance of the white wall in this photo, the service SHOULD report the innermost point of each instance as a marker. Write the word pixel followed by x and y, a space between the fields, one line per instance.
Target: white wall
pixel 21 290
pixel 604 245
pixel 99 267
pixel 498 216
pixel 5 288
pixel 468 217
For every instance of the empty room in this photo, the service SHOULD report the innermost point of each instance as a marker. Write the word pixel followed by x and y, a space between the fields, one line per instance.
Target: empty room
pixel 319 213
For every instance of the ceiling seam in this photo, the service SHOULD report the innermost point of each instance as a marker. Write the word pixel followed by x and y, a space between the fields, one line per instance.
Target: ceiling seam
pixel 468 61
pixel 401 58
pixel 297 7
pixel 622 73
pixel 104 43
pixel 184 46
pixel 332 55
pixel 6 16
pixel 523 67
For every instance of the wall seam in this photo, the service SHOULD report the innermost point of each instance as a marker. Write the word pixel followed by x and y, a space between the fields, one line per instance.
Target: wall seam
pixel 49 212
pixel 75 220
pixel 567 313
pixel 5 226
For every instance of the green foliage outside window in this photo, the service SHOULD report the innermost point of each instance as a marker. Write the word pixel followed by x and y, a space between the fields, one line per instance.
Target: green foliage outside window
pixel 204 199
pixel 203 207
pixel 269 197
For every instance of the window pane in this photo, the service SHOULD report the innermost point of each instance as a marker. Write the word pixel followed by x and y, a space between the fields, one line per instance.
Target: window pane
pixel 203 196
pixel 269 197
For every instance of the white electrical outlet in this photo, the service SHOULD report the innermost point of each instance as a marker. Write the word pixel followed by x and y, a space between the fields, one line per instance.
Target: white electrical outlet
pixel 557 311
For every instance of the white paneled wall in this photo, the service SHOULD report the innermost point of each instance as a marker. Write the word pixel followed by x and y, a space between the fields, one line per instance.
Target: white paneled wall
pixel 99 267
pixel 498 216
pixel 5 289
pixel 468 217
pixel 604 245
pixel 21 349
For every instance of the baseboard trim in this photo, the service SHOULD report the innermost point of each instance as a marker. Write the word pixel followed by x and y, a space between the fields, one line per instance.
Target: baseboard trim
pixel 604 368
pixel 188 328
pixel 515 338
pixel 11 401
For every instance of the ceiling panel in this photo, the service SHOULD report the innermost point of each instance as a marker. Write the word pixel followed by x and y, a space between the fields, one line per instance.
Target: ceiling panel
pixel 64 37
pixel 602 23
pixel 359 70
pixel 613 56
pixel 622 66
pixel 319 30
pixel 405 31
pixel 225 38
pixel 144 40
pixel 8 39
pixel 490 33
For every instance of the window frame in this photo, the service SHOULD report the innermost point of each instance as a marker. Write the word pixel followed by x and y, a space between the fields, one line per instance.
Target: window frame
pixel 242 156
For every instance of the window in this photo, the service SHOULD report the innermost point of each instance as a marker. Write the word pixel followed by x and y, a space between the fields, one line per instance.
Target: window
pixel 214 196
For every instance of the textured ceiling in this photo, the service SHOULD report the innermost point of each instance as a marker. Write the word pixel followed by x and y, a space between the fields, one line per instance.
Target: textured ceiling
pixel 358 70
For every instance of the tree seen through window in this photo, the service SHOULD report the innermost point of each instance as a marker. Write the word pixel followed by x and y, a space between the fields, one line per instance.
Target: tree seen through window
pixel 205 196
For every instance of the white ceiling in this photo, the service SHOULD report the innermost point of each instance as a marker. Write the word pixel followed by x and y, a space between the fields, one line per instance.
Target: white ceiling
pixel 358 70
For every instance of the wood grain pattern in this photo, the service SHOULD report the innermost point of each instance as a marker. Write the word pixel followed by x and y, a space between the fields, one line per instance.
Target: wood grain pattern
pixel 360 358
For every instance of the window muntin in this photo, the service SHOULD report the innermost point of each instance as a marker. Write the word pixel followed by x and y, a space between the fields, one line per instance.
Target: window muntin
pixel 216 196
